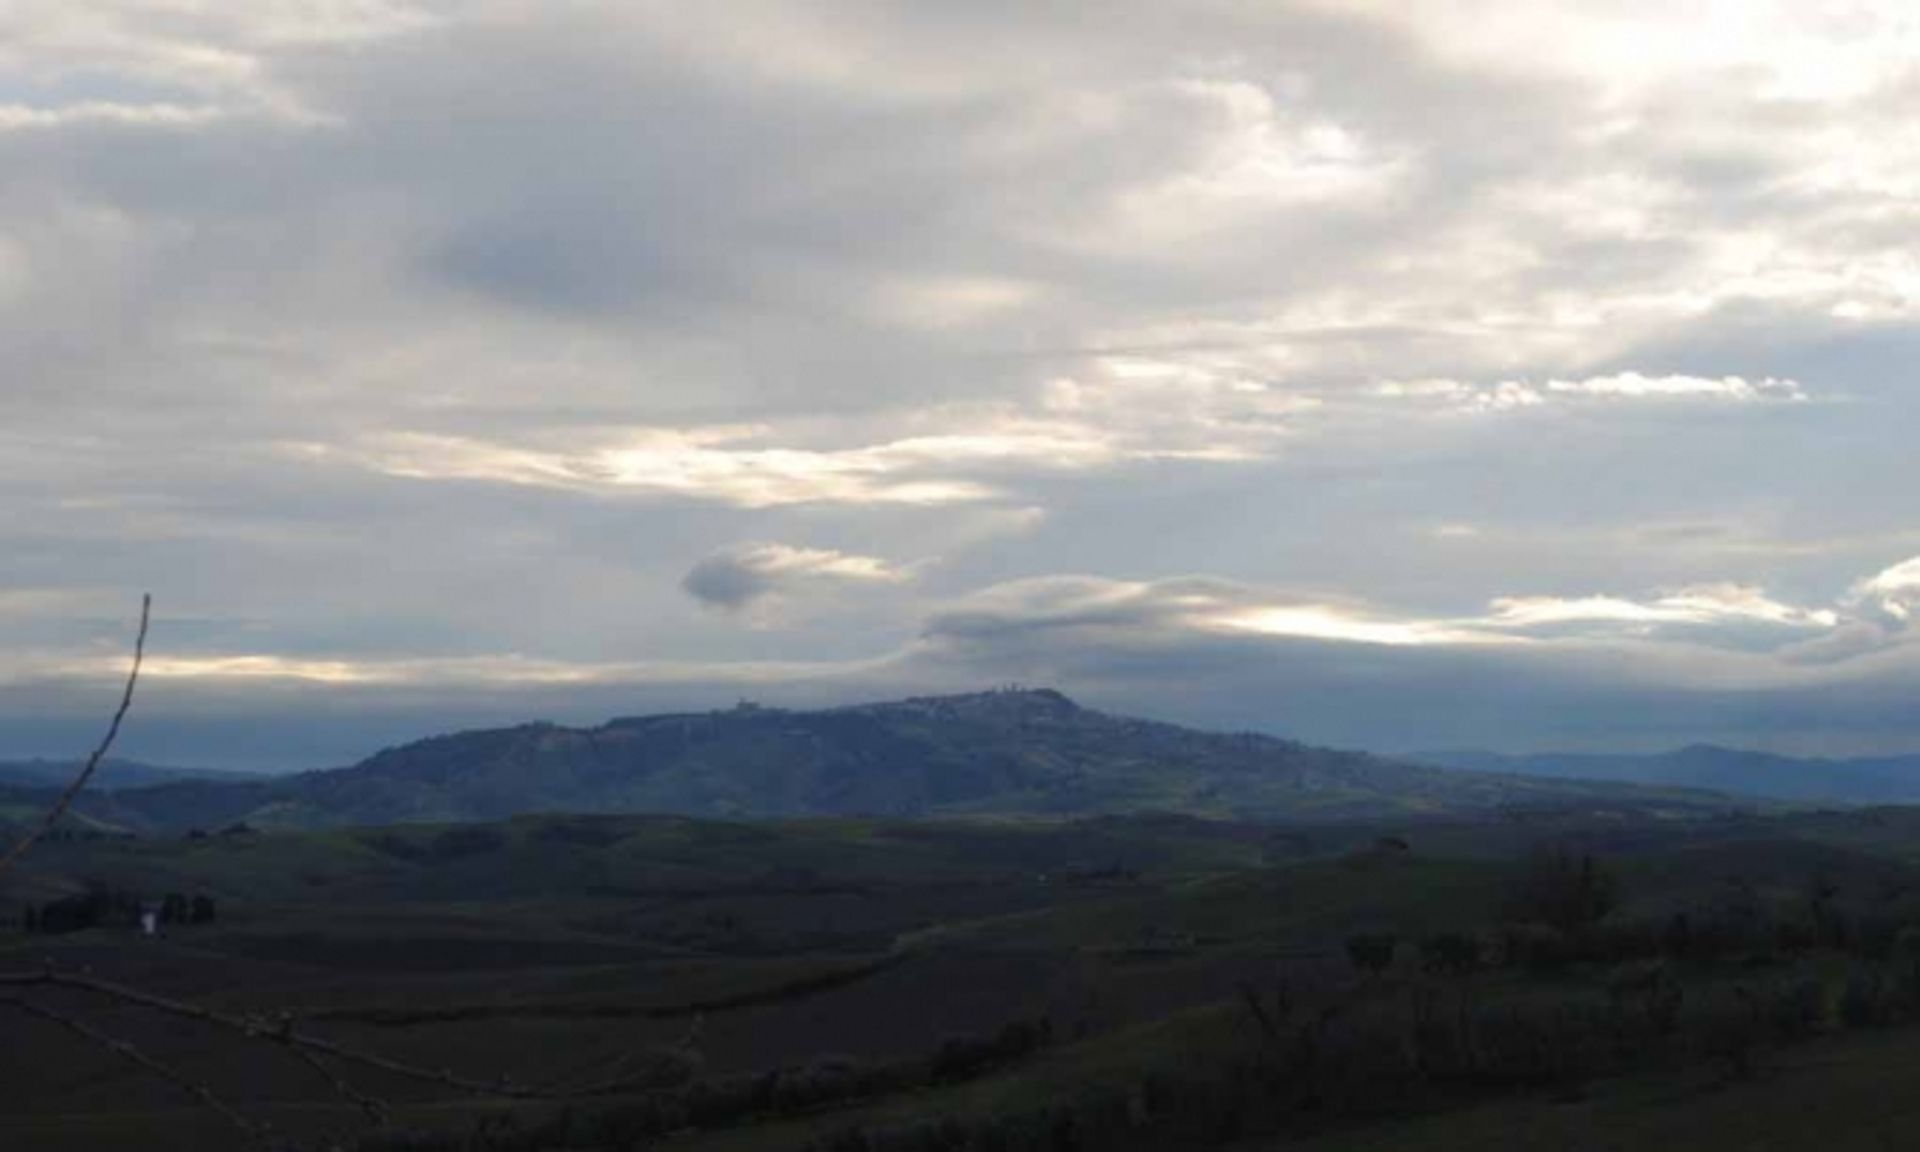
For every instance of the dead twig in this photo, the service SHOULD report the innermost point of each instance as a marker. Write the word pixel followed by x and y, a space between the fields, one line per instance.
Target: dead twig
pixel 85 774
pixel 1258 1011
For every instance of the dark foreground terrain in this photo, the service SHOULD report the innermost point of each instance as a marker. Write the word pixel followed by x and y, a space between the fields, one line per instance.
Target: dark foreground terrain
pixel 1599 981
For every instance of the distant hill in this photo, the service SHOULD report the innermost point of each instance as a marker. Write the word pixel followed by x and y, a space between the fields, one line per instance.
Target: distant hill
pixel 1882 780
pixel 110 774
pixel 1007 753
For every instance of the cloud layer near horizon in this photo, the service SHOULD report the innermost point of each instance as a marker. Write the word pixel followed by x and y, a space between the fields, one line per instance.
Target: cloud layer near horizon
pixel 1527 375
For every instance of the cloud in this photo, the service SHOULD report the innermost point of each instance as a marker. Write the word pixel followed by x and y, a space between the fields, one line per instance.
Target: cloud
pixel 739 465
pixel 1896 591
pixel 19 602
pixel 1508 395
pixel 341 326
pixel 1731 618
pixel 737 577
pixel 22 117
pixel 1318 622
pixel 1701 606
pixel 1200 648
pixel 958 455
pixel 1531 672
pixel 1636 386
pixel 450 675
pixel 1128 409
pixel 1877 615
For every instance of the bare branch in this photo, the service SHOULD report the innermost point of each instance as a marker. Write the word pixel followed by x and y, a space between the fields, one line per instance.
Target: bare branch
pixel 258 1132
pixel 1258 1011
pixel 85 774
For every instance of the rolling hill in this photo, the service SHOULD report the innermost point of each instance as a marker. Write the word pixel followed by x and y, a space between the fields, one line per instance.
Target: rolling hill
pixel 1881 780
pixel 110 774
pixel 1004 753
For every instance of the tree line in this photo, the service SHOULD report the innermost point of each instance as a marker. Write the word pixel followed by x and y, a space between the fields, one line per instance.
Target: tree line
pixel 102 905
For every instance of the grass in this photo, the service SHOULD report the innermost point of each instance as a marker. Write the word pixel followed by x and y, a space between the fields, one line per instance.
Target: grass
pixel 1844 1094
pixel 547 944
pixel 1118 1057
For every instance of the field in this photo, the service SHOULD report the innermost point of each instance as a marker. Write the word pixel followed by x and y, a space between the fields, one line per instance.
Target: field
pixel 1840 1095
pixel 1136 982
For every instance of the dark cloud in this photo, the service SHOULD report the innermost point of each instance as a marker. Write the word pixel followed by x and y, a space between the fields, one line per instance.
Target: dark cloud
pixel 745 574
pixel 1137 648
pixel 726 582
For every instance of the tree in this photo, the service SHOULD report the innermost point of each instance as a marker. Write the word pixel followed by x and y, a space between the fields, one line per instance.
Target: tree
pixel 1450 953
pixel 1372 952
pixel 1562 891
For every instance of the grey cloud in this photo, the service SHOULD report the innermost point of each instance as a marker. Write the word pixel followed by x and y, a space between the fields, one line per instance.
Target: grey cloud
pixel 739 576
pixel 1136 645
pixel 726 582
pixel 1121 290
pixel 1729 618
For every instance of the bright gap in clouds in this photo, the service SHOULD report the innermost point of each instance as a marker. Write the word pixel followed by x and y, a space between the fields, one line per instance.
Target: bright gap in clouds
pixel 1314 623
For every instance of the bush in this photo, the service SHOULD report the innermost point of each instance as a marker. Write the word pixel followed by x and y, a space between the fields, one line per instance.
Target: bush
pixel 1728 1030
pixel 1797 1010
pixel 98 905
pixel 1863 999
pixel 1372 952
pixel 1536 947
pixel 1450 953
pixel 962 1057
pixel 1562 891
pixel 1646 999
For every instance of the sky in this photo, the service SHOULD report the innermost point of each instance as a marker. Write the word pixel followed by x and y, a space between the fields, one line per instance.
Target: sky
pixel 1455 374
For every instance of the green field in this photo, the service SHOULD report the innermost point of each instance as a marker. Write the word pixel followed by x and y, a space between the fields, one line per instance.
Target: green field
pixel 963 985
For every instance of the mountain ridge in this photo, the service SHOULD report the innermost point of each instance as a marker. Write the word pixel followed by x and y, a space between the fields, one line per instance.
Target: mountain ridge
pixel 1001 753
pixel 37 772
pixel 1735 771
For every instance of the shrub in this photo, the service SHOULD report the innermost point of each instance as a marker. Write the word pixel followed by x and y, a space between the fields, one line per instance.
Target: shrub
pixel 1372 952
pixel 1646 998
pixel 1562 891
pixel 1729 1031
pixel 1450 953
pixel 1536 947
pixel 1796 1010
pixel 961 1057
pixel 1863 999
